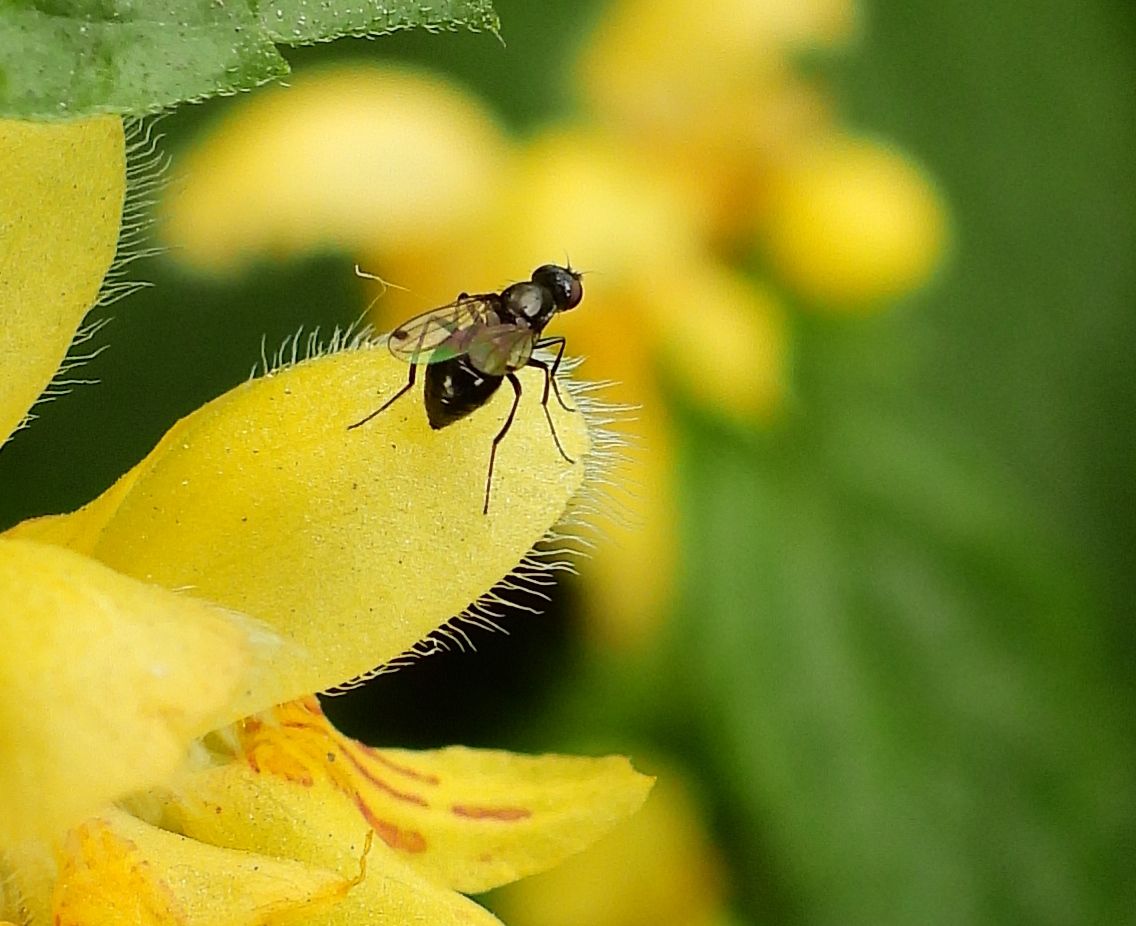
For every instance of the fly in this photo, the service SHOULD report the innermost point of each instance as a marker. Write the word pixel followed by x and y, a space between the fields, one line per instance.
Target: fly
pixel 473 344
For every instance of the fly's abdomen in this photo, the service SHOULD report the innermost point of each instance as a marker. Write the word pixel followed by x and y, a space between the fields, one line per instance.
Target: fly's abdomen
pixel 454 388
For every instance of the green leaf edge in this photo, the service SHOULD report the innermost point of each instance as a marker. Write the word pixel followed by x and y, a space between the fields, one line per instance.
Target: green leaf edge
pixel 38 74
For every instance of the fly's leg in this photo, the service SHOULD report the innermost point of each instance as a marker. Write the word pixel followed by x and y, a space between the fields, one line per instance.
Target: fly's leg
pixel 551 374
pixel 549 377
pixel 516 384
pixel 389 402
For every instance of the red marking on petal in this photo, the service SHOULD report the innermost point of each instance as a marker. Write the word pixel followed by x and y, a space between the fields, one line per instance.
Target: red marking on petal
pixel 406 840
pixel 382 785
pixel 491 813
pixel 402 769
pixel 313 724
pixel 392 835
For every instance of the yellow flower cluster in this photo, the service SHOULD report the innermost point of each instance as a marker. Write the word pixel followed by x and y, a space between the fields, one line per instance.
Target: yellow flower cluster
pixel 161 759
pixel 700 149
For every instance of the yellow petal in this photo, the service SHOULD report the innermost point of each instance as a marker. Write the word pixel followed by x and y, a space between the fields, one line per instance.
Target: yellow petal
pixel 719 99
pixel 353 544
pixel 349 157
pixel 657 64
pixel 612 214
pixel 104 683
pixel 854 223
pixel 62 185
pixel 471 819
pixel 646 32
pixel 117 870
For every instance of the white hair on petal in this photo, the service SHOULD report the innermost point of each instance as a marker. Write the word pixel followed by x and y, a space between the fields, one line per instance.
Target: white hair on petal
pixel 357 335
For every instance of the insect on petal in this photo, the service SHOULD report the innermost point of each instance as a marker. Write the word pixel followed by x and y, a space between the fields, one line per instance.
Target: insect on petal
pixel 352 544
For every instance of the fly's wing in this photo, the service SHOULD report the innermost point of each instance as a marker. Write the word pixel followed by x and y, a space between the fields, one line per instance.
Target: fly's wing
pixel 444 332
pixel 501 348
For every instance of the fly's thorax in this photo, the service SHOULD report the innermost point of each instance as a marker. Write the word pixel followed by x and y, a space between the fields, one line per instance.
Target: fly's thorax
pixel 530 303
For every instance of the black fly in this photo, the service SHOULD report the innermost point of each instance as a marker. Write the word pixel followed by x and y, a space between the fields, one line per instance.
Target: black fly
pixel 475 342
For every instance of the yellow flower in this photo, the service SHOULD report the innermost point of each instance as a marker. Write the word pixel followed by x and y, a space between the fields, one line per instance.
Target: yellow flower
pixel 659 307
pixel 161 760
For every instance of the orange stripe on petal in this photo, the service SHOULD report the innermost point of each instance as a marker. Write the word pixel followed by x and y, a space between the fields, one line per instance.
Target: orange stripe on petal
pixel 354 759
pixel 97 864
pixel 491 813
pixel 392 835
pixel 402 769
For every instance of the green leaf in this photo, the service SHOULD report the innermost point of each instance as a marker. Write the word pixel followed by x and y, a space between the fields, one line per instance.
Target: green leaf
pixel 295 22
pixel 67 58
pixel 891 662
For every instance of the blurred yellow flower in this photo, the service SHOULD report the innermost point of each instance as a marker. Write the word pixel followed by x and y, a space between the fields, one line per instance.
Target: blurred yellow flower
pixel 695 155
pixel 260 552
pixel 712 94
pixel 669 873
pixel 383 159
pixel 853 223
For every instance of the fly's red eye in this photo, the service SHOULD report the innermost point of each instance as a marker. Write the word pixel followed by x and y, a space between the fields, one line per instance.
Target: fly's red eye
pixel 575 292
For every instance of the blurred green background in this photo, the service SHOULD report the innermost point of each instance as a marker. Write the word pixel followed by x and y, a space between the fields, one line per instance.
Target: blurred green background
pixel 898 675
